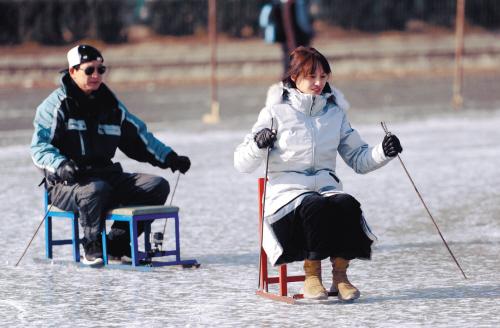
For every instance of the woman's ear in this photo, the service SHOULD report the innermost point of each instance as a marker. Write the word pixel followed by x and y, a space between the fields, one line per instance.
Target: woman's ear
pixel 293 78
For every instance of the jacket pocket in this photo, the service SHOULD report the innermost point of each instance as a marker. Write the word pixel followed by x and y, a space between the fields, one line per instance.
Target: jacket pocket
pixel 334 177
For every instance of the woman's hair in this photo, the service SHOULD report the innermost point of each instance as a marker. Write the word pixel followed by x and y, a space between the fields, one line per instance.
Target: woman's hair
pixel 304 61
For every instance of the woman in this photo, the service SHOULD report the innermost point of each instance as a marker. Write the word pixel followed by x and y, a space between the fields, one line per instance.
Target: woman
pixel 307 215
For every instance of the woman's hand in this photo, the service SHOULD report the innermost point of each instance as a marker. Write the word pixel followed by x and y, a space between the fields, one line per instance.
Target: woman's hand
pixel 265 138
pixel 391 145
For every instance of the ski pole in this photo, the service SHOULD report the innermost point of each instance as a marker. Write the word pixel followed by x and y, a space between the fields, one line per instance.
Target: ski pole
pixel 36 231
pixel 171 199
pixel 384 126
pixel 263 208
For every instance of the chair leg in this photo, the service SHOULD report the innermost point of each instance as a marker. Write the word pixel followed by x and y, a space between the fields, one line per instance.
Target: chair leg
pixel 264 275
pixel 76 239
pixel 104 244
pixel 147 234
pixel 48 237
pixel 133 242
pixel 177 239
pixel 283 281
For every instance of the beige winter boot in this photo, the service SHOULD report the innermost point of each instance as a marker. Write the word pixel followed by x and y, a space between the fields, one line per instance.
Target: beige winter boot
pixel 313 288
pixel 347 292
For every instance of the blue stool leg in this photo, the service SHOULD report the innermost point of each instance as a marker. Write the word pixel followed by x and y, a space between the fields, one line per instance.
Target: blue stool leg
pixel 48 237
pixel 133 241
pixel 147 234
pixel 177 239
pixel 104 244
pixel 76 238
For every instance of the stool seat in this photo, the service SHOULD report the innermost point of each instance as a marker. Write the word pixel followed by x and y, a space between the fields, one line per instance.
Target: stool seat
pixel 143 210
pixel 56 209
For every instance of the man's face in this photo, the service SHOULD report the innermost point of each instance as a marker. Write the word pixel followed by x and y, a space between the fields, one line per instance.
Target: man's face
pixel 88 76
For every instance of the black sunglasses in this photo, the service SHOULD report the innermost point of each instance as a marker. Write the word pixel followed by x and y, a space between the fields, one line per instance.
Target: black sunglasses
pixel 90 70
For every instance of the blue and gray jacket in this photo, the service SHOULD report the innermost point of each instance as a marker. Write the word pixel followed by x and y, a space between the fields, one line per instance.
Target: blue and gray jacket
pixel 89 129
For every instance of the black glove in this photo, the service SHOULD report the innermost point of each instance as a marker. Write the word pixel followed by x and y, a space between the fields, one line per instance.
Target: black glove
pixel 265 138
pixel 68 171
pixel 391 145
pixel 176 162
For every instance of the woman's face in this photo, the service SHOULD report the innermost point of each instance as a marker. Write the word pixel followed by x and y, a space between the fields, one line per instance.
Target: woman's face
pixel 313 83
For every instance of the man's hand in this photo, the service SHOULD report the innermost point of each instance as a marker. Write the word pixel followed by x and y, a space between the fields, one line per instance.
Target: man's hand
pixel 265 138
pixel 177 163
pixel 391 145
pixel 68 171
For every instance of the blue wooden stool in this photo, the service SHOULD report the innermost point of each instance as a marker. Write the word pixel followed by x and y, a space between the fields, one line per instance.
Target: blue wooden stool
pixel 56 213
pixel 147 214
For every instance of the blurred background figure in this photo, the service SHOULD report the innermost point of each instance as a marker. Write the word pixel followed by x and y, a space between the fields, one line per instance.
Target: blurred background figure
pixel 288 22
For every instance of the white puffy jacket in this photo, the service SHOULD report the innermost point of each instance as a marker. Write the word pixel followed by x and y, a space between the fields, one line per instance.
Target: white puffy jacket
pixel 311 130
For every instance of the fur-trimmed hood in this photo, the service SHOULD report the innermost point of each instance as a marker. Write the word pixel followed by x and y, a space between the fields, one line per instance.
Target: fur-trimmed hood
pixel 278 93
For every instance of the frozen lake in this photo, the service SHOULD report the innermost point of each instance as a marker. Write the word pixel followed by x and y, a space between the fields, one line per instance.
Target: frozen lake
pixel 411 281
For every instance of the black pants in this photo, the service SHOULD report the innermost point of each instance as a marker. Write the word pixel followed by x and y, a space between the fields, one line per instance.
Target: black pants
pixel 94 195
pixel 321 227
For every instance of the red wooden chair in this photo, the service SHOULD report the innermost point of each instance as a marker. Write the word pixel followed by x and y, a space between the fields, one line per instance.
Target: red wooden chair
pixel 283 278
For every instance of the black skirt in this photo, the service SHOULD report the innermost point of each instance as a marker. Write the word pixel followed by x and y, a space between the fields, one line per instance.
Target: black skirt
pixel 322 227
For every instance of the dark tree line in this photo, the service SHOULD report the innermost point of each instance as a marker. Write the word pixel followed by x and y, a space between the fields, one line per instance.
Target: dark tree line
pixel 54 22
pixel 380 15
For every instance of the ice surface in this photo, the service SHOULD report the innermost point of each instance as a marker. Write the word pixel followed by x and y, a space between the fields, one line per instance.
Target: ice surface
pixel 411 281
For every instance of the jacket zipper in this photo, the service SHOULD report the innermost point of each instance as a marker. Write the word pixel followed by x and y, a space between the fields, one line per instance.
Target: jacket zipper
pixel 313 136
pixel 82 144
pixel 334 177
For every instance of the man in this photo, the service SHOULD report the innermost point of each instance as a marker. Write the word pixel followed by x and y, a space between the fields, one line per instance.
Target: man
pixel 78 129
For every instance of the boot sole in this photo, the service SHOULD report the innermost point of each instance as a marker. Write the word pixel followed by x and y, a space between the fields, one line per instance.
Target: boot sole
pixel 94 263
pixel 354 297
pixel 315 297
pixel 348 300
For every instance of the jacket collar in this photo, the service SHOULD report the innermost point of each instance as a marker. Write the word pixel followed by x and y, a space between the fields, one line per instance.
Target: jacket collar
pixel 99 100
pixel 308 104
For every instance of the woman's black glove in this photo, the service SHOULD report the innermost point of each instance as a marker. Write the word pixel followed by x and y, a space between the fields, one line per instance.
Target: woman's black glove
pixel 68 171
pixel 265 138
pixel 391 145
pixel 176 162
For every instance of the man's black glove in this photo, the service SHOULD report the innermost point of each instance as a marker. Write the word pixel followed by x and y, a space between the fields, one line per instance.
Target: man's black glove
pixel 391 145
pixel 176 162
pixel 68 171
pixel 265 138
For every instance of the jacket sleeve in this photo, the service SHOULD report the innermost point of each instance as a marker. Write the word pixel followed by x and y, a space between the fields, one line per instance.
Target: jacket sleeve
pixel 247 156
pixel 361 157
pixel 48 119
pixel 138 143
